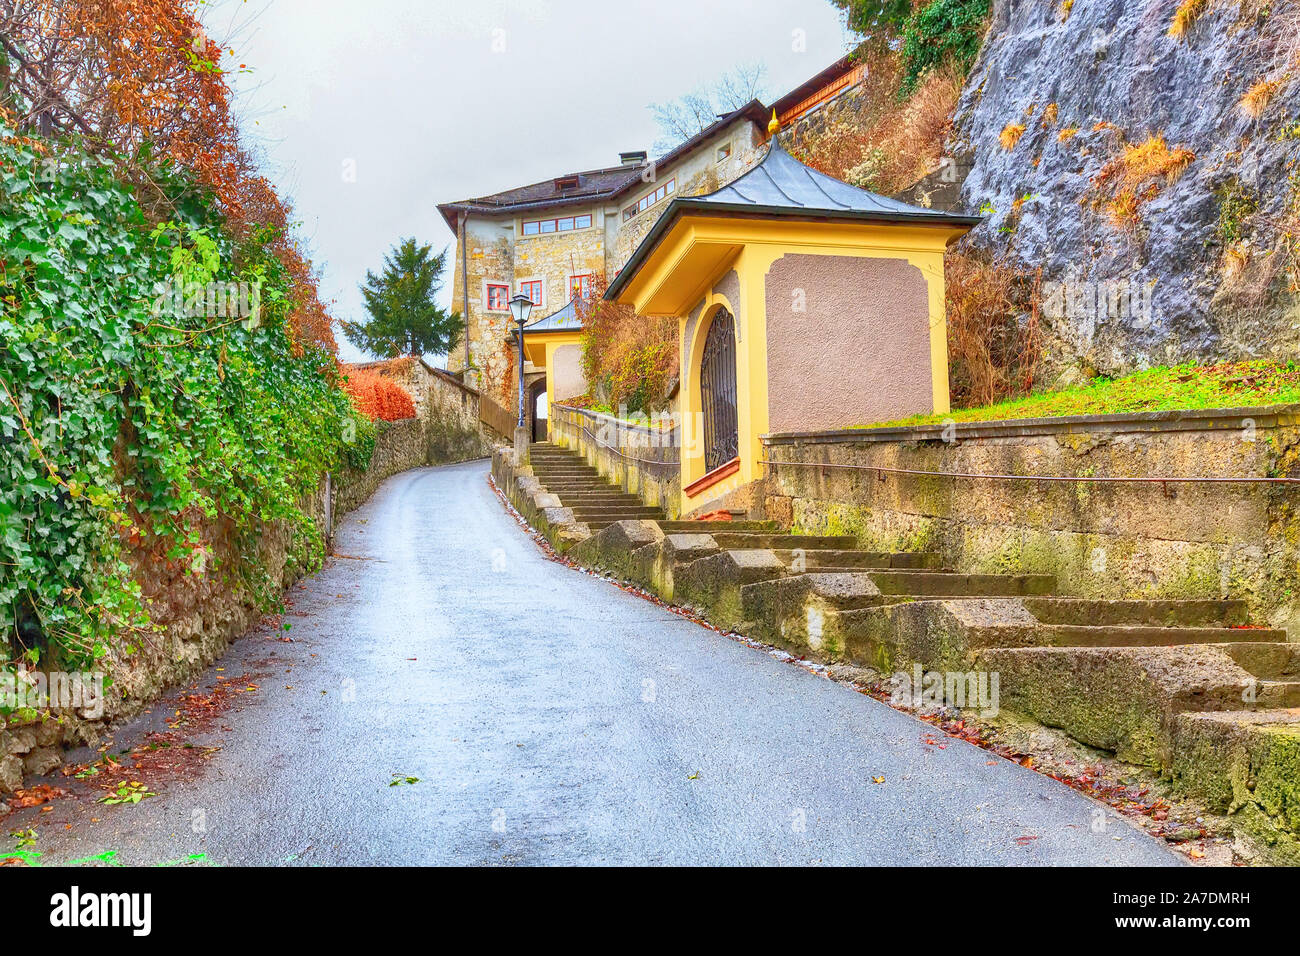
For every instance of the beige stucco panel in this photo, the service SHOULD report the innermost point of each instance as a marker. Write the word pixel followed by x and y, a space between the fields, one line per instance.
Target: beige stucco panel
pixel 568 380
pixel 857 353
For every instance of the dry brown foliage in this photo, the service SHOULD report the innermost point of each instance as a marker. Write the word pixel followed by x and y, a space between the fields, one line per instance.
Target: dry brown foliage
pixel 1011 134
pixel 628 359
pixel 886 145
pixel 125 74
pixel 1136 176
pixel 994 340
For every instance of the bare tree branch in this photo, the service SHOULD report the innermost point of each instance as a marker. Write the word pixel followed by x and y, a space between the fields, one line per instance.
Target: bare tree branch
pixel 684 117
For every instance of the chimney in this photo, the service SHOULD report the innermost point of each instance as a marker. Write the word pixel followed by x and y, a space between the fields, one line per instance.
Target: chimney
pixel 634 158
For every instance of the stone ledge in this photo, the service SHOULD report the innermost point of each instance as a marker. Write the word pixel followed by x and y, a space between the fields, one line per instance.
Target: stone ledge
pixel 1171 420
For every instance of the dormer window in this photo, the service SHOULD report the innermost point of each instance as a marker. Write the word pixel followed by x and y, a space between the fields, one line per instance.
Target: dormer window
pixel 567 182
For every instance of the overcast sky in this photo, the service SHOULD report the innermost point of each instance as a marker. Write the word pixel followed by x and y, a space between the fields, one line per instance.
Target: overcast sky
pixel 430 100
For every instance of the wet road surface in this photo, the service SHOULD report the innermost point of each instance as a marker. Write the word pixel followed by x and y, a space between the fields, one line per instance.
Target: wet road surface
pixel 551 718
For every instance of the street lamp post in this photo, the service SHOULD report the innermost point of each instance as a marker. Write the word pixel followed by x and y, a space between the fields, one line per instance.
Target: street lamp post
pixel 521 307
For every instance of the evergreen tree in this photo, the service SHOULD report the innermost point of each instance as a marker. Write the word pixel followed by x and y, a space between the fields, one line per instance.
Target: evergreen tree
pixel 405 318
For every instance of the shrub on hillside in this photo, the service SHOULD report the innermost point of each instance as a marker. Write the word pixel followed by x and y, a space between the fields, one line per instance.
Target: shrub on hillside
pixel 629 360
pixel 377 397
pixel 994 341
pixel 886 144
pixel 135 418
pixel 944 33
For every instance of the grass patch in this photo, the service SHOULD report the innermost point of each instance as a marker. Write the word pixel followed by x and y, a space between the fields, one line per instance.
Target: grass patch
pixel 1190 386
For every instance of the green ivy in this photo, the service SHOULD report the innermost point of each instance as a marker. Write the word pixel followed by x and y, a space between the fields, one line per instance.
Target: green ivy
pixel 128 424
pixel 1236 206
pixel 945 31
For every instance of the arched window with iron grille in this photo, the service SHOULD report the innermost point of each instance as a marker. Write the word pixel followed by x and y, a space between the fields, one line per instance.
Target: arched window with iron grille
pixel 718 392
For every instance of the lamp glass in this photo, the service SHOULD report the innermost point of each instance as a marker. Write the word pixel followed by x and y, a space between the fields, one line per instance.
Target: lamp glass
pixel 521 307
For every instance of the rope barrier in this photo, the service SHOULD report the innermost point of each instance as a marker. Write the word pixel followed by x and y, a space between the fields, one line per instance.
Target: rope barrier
pixel 1102 479
pixel 599 444
pixel 647 461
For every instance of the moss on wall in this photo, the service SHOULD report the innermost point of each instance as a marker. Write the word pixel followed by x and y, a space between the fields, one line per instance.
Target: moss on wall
pixel 1100 540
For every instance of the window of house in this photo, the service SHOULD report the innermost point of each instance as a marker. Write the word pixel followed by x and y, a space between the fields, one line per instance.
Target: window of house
pixel 650 199
pixel 580 287
pixel 537 227
pixel 498 297
pixel 724 152
pixel 532 289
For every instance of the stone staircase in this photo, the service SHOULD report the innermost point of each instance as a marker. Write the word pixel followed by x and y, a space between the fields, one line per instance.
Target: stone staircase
pixel 594 501
pixel 1191 686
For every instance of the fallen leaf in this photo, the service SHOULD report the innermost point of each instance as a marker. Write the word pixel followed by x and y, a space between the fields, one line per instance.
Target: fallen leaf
pixel 35 796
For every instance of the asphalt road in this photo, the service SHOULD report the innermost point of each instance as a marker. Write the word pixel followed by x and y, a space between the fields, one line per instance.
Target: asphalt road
pixel 551 718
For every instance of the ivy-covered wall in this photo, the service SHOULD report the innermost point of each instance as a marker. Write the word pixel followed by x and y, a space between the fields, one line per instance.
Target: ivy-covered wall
pixel 197 616
pixel 163 432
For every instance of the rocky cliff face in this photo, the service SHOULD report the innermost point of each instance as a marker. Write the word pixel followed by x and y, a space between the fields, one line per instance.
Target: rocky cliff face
pixel 1123 161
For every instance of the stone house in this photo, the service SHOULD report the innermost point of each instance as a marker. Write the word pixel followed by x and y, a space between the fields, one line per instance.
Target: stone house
pixel 553 240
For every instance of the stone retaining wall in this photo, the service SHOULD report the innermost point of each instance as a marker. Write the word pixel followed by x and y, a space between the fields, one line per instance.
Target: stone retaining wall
pixel 1104 540
pixel 201 614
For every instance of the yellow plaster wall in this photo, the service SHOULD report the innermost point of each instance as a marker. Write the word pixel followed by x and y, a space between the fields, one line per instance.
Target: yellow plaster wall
pixel 677 260
pixel 540 349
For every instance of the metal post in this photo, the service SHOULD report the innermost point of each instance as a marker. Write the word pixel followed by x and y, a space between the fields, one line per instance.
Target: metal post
pixel 522 418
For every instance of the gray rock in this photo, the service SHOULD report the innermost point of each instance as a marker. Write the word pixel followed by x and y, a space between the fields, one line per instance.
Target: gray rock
pixel 41 761
pixel 1113 61
pixel 11 773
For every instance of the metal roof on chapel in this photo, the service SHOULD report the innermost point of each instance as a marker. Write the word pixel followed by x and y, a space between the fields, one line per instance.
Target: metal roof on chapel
pixel 782 187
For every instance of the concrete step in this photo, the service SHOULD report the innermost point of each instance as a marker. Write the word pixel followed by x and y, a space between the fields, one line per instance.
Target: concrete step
pixel 1265 659
pixel 1112 635
pixel 615 506
pixel 825 560
pixel 1057 610
pixel 724 527
pixel 598 490
pixel 954 584
pixel 1243 762
pixel 1278 693
pixel 590 496
pixel 589 503
pixel 728 540
pixel 617 514
pixel 567 473
pixel 1124 699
